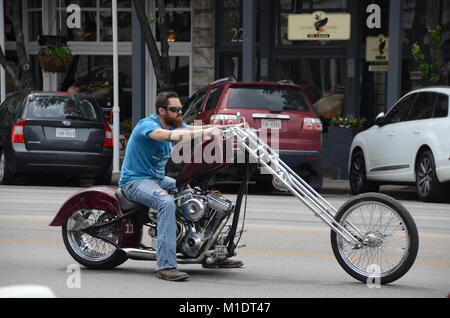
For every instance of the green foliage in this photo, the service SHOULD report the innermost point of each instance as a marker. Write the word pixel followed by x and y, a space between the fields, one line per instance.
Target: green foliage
pixel 59 51
pixel 430 67
pixel 347 121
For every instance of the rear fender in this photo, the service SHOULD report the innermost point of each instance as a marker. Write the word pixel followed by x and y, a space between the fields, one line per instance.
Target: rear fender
pixel 101 198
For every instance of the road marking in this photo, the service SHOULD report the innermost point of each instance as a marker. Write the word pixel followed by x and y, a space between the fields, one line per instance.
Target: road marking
pixel 323 256
pixel 240 251
pixel 273 228
pixel 31 242
pixel 254 227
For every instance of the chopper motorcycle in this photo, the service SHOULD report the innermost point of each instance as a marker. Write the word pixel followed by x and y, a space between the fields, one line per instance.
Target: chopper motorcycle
pixel 373 236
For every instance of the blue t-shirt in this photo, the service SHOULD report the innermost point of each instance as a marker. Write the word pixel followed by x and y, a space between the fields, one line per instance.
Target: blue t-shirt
pixel 145 158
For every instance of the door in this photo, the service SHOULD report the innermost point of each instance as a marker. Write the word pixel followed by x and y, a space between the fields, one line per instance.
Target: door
pixel 386 147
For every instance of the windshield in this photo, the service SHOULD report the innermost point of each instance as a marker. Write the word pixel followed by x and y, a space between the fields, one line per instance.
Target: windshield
pixel 59 107
pixel 267 97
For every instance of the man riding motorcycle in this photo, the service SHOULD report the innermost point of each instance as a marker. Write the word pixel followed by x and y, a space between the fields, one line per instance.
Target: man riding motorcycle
pixel 143 176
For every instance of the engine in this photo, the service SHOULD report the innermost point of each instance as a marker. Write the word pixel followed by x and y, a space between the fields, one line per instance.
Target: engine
pixel 200 214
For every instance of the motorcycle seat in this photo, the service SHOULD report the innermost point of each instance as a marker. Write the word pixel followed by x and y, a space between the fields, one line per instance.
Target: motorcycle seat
pixel 125 203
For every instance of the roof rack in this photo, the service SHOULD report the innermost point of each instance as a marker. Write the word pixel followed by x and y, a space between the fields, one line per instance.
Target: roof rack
pixel 224 80
pixel 286 81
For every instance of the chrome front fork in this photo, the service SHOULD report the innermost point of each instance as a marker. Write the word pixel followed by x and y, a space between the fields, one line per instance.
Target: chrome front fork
pixel 271 162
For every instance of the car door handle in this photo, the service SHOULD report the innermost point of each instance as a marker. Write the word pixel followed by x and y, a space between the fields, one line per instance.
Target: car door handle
pixel 391 134
pixel 417 131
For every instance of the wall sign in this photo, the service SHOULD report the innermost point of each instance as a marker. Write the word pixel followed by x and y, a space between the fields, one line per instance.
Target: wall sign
pixel 319 26
pixel 377 48
pixel 74 19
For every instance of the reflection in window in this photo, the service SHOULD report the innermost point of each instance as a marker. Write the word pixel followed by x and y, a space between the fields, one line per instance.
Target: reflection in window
pixel 323 81
pixel 179 75
pixel 418 15
pixel 123 26
pixel 178 25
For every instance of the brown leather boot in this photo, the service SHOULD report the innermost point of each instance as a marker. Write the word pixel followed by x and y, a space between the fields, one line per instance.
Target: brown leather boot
pixel 171 274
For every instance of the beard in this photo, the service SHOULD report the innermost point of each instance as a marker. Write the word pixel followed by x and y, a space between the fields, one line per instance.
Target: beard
pixel 176 122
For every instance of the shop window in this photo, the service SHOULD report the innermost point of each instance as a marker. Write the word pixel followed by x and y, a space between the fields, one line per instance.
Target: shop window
pixel 418 15
pixel 94 76
pixel 34 24
pixel 179 75
pixel 178 21
pixel 323 81
pixel 96 21
pixel 231 66
pixel 232 26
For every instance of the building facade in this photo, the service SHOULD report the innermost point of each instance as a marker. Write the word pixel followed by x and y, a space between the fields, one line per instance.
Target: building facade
pixel 361 73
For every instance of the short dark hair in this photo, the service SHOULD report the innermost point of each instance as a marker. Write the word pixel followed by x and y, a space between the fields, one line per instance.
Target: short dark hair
pixel 162 99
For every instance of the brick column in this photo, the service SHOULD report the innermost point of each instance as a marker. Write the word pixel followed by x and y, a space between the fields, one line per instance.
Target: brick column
pixel 203 40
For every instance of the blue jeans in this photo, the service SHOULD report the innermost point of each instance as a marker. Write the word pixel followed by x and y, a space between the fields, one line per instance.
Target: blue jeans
pixel 152 193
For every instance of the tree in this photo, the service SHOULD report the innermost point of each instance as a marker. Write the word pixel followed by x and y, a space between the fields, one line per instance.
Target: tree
pixel 427 43
pixel 20 72
pixel 160 61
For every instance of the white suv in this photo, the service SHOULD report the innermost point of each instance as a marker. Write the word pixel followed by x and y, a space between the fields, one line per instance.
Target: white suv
pixel 408 145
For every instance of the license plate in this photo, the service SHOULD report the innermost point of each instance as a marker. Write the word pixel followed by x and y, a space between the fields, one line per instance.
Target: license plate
pixel 65 132
pixel 271 123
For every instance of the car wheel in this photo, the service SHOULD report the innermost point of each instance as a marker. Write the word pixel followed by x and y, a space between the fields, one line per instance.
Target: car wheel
pixel 358 177
pixel 428 186
pixel 6 176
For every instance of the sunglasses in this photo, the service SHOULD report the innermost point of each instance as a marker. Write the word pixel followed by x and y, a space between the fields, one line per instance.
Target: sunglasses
pixel 174 109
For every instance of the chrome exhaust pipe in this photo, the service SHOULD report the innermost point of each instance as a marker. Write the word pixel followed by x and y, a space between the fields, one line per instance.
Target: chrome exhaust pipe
pixel 140 254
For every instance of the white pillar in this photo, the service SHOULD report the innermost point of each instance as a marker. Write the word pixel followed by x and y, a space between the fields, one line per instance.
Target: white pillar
pixel 116 108
pixel 2 43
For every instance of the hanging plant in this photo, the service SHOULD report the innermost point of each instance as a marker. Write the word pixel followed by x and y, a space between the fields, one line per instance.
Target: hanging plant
pixel 55 58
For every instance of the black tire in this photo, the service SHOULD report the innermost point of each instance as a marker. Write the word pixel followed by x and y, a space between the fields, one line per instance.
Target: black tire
pixel 377 239
pixel 6 176
pixel 111 260
pixel 358 176
pixel 428 187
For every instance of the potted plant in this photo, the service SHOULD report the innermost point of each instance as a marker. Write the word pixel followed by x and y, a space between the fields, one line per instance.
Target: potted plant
pixel 341 131
pixel 55 58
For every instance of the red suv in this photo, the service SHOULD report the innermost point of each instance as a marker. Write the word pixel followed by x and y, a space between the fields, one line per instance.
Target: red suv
pixel 280 106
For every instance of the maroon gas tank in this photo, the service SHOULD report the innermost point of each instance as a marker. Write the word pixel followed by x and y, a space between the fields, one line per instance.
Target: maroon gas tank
pixel 203 159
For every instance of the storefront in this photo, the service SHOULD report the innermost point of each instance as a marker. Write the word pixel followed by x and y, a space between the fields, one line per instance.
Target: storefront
pixel 360 74
pixel 91 69
pixel 345 76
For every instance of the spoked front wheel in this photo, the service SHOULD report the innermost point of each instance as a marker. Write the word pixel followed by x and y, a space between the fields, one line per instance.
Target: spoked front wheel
pixel 388 236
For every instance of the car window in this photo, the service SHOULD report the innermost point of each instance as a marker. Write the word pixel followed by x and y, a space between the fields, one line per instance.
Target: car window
pixel 264 97
pixel 423 106
pixel 213 98
pixel 441 107
pixel 400 111
pixel 58 107
pixel 194 103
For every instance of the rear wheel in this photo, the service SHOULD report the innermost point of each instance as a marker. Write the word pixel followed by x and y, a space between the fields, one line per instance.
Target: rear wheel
pixel 358 176
pixel 388 234
pixel 6 176
pixel 88 250
pixel 428 187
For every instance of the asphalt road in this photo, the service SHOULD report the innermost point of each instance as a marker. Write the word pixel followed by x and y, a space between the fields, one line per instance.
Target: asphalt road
pixel 287 254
